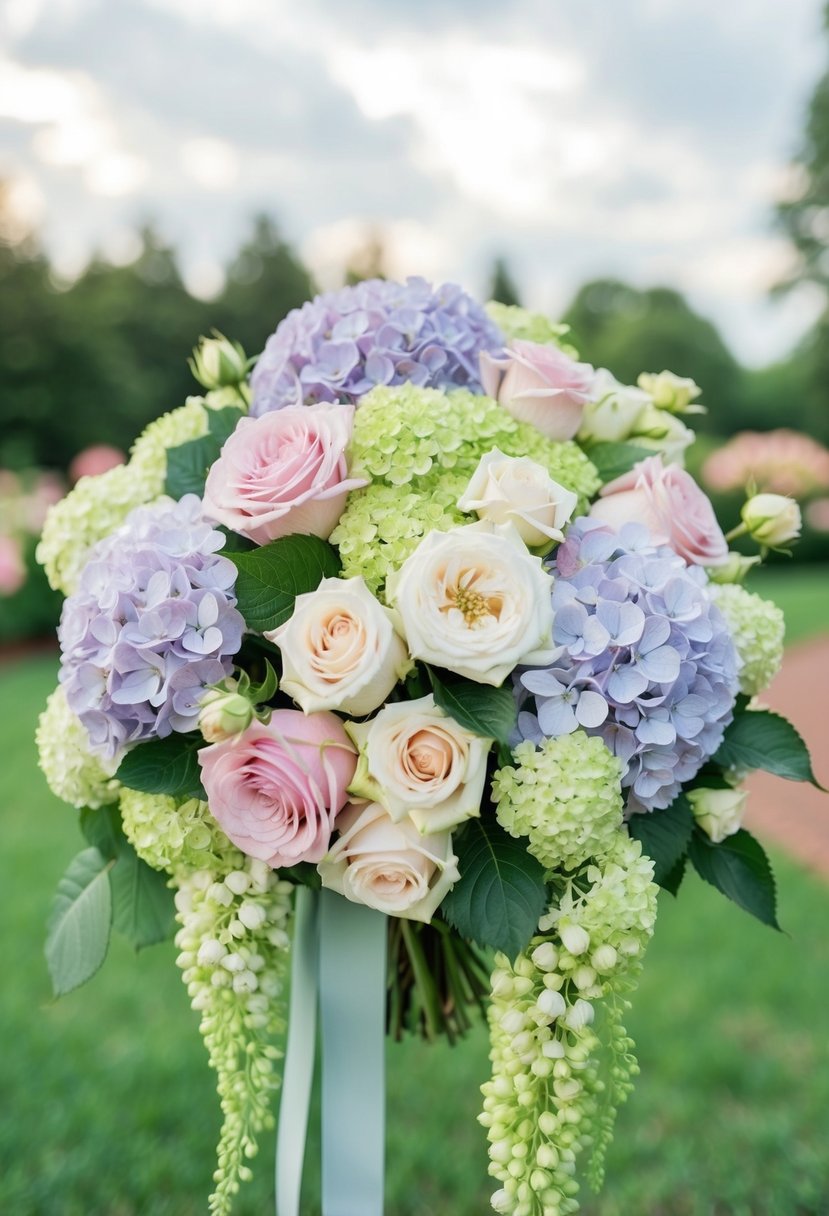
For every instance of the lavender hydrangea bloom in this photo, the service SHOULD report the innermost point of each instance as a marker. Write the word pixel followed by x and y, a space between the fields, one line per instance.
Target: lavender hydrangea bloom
pixel 646 660
pixel 344 343
pixel 152 623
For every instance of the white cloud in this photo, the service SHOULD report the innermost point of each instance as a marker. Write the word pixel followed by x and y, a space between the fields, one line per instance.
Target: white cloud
pixel 643 140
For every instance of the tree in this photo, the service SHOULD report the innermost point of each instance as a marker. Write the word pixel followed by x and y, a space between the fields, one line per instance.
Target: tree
pixel 265 280
pixel 629 330
pixel 502 287
pixel 805 218
pixel 805 215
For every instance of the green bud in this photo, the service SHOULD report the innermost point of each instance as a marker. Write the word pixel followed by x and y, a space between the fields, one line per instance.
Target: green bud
pixel 223 715
pixel 772 519
pixel 218 363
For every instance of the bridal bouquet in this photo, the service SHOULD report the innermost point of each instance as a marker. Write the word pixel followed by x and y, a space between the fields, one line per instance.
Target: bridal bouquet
pixel 425 617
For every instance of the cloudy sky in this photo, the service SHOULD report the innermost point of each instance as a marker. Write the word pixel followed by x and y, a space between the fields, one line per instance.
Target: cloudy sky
pixel 640 138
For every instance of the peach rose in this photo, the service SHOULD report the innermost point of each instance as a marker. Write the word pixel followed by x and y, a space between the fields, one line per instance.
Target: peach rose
pixel 419 762
pixel 340 649
pixel 669 502
pixel 540 385
pixel 389 866
pixel 282 473
pixel 276 789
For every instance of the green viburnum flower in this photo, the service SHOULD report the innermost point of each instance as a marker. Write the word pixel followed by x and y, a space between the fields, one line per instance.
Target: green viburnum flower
pixel 71 771
pixel 757 627
pixel 175 834
pixel 564 796
pixel 234 949
pixel 516 322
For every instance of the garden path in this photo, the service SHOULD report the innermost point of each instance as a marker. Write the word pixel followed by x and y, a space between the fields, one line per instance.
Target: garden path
pixel 793 816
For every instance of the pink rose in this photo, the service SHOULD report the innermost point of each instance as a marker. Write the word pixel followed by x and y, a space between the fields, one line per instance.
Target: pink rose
pixel 540 385
pixel 276 789
pixel 283 472
pixel 669 502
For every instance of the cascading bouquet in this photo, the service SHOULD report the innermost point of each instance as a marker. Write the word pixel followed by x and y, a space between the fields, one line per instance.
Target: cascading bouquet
pixel 425 617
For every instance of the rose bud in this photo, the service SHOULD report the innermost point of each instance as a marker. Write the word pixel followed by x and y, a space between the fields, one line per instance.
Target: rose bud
pixel 772 519
pixel 718 812
pixel 218 363
pixel 224 713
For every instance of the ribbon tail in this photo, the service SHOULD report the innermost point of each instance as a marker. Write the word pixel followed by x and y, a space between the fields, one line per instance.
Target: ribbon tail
pixel 353 1009
pixel 298 1072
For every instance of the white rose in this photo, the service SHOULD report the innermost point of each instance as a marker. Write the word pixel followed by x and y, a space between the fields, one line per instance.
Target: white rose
pixel 417 761
pixel 389 866
pixel 340 649
pixel 772 519
pixel 475 601
pixel 514 489
pixel 718 812
pixel 662 432
pixel 611 414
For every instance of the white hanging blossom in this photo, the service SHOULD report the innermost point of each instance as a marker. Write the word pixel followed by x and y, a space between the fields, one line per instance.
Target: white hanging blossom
pixel 234 948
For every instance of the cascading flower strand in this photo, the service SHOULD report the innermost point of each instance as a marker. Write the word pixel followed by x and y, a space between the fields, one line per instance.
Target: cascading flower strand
pixel 234 947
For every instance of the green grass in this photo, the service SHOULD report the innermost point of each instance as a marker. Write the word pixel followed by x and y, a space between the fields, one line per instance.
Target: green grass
pixel 801 591
pixel 108 1106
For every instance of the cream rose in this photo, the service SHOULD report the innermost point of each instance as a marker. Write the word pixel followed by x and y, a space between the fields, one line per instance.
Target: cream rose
pixel 417 761
pixel 514 489
pixel 475 601
pixel 389 866
pixel 613 410
pixel 340 649
pixel 663 432
pixel 718 812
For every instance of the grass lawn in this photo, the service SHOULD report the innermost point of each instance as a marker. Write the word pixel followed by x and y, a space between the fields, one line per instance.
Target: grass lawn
pixel 108 1106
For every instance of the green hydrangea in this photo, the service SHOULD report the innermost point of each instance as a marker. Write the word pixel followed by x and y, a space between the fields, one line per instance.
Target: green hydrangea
pixel 71 771
pixel 405 434
pixel 418 448
pixel 94 508
pixel 175 834
pixel 383 524
pixel 757 627
pixel 148 458
pixel 564 796
pixel 516 322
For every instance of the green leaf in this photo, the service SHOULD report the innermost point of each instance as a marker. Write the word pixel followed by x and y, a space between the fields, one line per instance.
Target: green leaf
pixel 102 829
pixel 188 464
pixel 271 577
pixel 164 766
pixel 740 869
pixel 222 423
pixel 480 708
pixel 664 837
pixel 615 459
pixel 79 924
pixel 758 738
pixel 672 881
pixel 142 904
pixel 234 543
pixel 501 892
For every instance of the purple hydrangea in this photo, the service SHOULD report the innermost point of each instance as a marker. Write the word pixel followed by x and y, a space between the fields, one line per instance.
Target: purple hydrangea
pixel 646 660
pixel 152 623
pixel 344 343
